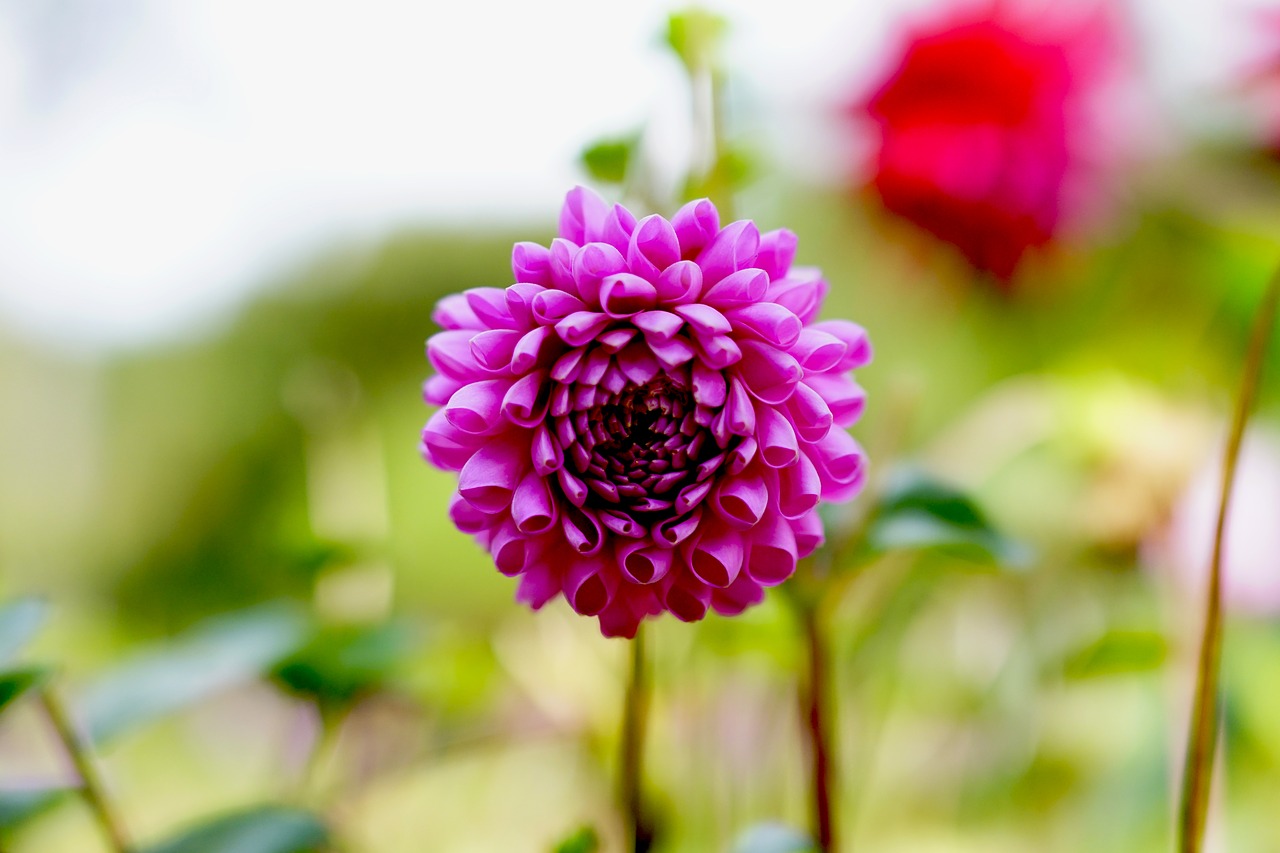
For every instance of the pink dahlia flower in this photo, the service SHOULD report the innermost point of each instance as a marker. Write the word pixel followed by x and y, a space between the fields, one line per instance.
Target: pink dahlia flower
pixel 979 123
pixel 646 419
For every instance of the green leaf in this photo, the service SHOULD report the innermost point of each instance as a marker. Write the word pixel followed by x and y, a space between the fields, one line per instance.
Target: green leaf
pixel 342 663
pixel 15 682
pixel 607 160
pixel 918 511
pixel 267 829
pixel 773 838
pixel 211 657
pixel 1119 652
pixel 19 621
pixel 695 35
pixel 17 807
pixel 585 840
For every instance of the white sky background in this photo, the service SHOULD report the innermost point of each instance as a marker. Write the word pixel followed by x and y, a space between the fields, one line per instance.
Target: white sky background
pixel 158 159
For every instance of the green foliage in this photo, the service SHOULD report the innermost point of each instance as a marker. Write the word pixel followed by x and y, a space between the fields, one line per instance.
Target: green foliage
pixel 584 840
pixel 19 806
pixel 211 657
pixel 19 621
pixel 917 511
pixel 696 35
pixel 1119 652
pixel 342 663
pixel 15 682
pixel 608 160
pixel 773 838
pixel 268 829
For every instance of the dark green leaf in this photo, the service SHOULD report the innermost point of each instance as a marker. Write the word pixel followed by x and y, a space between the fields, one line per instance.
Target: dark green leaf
pixel 15 682
pixel 917 511
pixel 269 829
pixel 1118 652
pixel 17 807
pixel 213 656
pixel 342 663
pixel 773 838
pixel 695 36
pixel 19 620
pixel 585 840
pixel 607 160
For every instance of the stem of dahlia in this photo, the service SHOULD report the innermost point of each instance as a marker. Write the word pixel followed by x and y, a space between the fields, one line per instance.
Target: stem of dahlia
pixel 818 721
pixel 91 786
pixel 1197 779
pixel 631 756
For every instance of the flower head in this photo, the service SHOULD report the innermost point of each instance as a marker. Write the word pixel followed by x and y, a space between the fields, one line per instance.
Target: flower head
pixel 979 124
pixel 646 419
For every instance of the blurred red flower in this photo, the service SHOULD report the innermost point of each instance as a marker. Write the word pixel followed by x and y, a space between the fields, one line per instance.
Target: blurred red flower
pixel 978 122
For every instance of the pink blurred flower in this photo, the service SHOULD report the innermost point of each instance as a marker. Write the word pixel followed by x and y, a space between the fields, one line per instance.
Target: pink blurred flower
pixel 1251 549
pixel 646 420
pixel 980 123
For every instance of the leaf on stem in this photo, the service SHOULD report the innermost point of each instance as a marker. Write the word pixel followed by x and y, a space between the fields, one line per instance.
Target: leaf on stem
pixel 266 829
pixel 695 36
pixel 608 160
pixel 15 682
pixel 340 664
pixel 585 840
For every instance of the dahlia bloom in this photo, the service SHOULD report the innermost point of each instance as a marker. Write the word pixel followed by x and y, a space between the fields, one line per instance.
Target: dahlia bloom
pixel 646 419
pixel 979 125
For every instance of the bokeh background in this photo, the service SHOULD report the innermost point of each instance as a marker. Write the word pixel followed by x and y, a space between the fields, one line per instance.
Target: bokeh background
pixel 223 227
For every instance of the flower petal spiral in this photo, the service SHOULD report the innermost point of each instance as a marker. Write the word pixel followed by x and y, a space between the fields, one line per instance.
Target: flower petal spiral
pixel 646 419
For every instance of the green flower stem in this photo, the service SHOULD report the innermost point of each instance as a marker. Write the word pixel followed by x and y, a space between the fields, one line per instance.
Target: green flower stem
pixel 631 752
pixel 91 786
pixel 818 727
pixel 1197 779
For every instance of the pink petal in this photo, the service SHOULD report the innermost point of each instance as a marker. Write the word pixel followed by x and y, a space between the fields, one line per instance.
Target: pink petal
pixel 709 386
pixel 545 452
pixel 677 529
pixel 618 226
pixel 844 397
pixel 778 445
pixel 688 600
pixel 525 403
pixel 799 488
pixel 625 295
pixel 533 507
pixel 592 264
pixel 741 500
pixel 490 305
pixel 737 597
pixel 679 283
pixel 809 534
pixel 768 321
pixel 818 351
pixel 493 349
pixel 858 352
pixel 642 563
pixel 731 250
pixel 509 550
pixel 475 408
pixel 773 553
pixel 532 263
pixel 581 327
pixel 587 587
pixel 658 326
pixel 777 251
pixel 769 374
pixel 717 556
pixel 488 481
pixel 654 247
pixel 583 215
pixel 743 287
pixel 453 312
pixel 696 225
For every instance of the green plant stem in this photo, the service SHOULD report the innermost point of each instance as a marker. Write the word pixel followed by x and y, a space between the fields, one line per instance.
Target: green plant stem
pixel 818 727
pixel 631 755
pixel 91 786
pixel 1197 779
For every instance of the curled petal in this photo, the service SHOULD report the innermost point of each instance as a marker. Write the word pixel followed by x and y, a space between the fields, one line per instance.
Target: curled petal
pixel 687 600
pixel 704 320
pixel 574 489
pixel 545 452
pixel 809 413
pixel 844 397
pixel 626 295
pixel 677 529
pixel 839 460
pixel 673 353
pixel 531 263
pixel 769 374
pixel 592 264
pixel 818 351
pixel 439 388
pixel 696 224
pixel 581 327
pixel 679 283
pixel 622 524
pixel 467 518
pixel 582 530
pixel 493 348
pixel 619 619
pixel 583 216
pixel 777 251
pixel 768 321
pixel 539 584
pixel 743 287
pixel 654 247
pixel 490 305
pixel 658 326
pixel 446 446
pixel 773 553
pixel 551 306
pixel 618 226
pixel 799 488
pixel 450 353
pixel 709 386
pixel 738 596
pixel 588 587
pixel 525 403
pixel 535 348
pixel 642 562
pixel 691 496
pixel 453 312
pixel 509 549
pixel 719 351
pixel 488 481
pixel 474 408
pixel 717 555
pixel 858 347
pixel 742 454
pixel 740 414
pixel 778 445
pixel 562 254
pixel 520 303
pixel 638 364
pixel 533 507
pixel 741 500
pixel 801 295
pixel 731 250
pixel 808 533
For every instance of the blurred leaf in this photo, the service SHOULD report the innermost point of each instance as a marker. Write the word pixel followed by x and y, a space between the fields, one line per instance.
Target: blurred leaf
pixel 19 620
pixel 342 663
pixel 607 160
pixel 268 829
pixel 213 656
pixel 17 807
pixel 585 840
pixel 15 682
pixel 733 169
pixel 918 511
pixel 695 36
pixel 1119 652
pixel 773 838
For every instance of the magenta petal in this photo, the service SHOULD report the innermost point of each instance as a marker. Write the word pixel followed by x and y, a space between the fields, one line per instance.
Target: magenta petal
pixel 490 305
pixel 844 397
pixel 535 348
pixel 587 586
pixel 551 306
pixel 508 547
pixel 654 247
pixel 739 412
pixel 520 303
pixel 809 534
pixel 531 263
pixel 583 215
pixel 818 351
pixel 533 507
pixel 703 319
pixel 525 403
pixel 474 408
pixel 691 496
pixel 581 327
pixel 642 563
pixel 446 446
pixel 582 529
pixel 777 251
pixel 619 620
pixel 742 454
pixel 809 413
pixel 801 296
pixel 489 479
pixel 737 597
pixel 592 264
pixel 773 554
pixel 769 374
pixel 688 600
pixel 562 255
pixel 679 283
pixel 744 287
pixel 453 312
pixel 741 501
pixel 717 556
pixel 731 250
pixel 778 445
pixel 799 488
pixel 658 326
pixel 858 352
pixel 539 584
pixel 709 386
pixel 719 351
pixel 675 530
pixel 468 519
pixel 768 321
pixel 621 524
pixel 439 389
pixel 696 224
pixel 638 364
pixel 574 489
pixel 673 353
pixel 625 295
pixel 618 226
pixel 545 452
pixel 493 349
pixel 568 367
pixel 450 353
pixel 839 461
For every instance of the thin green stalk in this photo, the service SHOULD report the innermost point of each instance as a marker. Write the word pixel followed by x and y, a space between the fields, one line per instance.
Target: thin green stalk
pixel 91 786
pixel 631 755
pixel 1197 779
pixel 818 728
